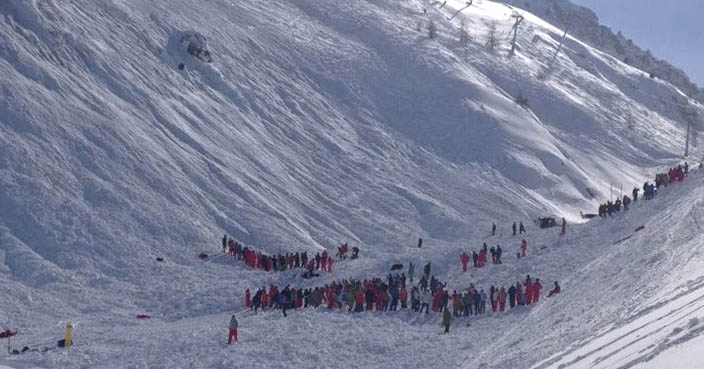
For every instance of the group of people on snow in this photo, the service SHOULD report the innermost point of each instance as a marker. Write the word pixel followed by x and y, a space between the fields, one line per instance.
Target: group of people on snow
pixel 281 262
pixel 520 228
pixel 393 293
pixel 479 259
pixel 676 174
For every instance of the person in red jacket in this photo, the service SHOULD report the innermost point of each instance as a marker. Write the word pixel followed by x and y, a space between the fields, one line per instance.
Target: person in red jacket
pixel 359 300
pixel 524 246
pixel 247 299
pixel 329 265
pixel 529 291
pixel 536 290
pixel 464 259
pixel 555 290
pixel 323 259
pixel 403 295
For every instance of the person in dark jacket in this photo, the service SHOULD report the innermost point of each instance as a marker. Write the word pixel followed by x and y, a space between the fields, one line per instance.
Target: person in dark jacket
pixel 514 228
pixel 493 229
pixel 446 320
pixel 426 270
pixel 521 228
pixel 498 254
pixel 512 296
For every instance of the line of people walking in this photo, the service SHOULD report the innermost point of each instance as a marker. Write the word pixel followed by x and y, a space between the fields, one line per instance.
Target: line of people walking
pixel 277 263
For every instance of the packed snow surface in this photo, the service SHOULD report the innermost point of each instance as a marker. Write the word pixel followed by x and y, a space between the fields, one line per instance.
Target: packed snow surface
pixel 310 123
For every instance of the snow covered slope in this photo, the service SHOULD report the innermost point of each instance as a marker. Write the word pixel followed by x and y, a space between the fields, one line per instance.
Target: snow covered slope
pixel 316 122
pixel 584 24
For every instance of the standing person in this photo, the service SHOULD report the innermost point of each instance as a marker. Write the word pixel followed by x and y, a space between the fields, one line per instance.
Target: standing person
pixel 635 193
pixel 426 270
pixel 524 246
pixel 564 227
pixel 411 270
pixel 425 301
pixel 247 299
pixel 493 229
pixel 514 228
pixel 446 320
pixel 403 295
pixel 493 298
pixel 498 254
pixel 420 243
pixel 536 290
pixel 521 229
pixel 492 250
pixel 529 291
pixel 512 296
pixel 501 298
pixel 464 259
pixel 224 243
pixel 233 330
pixel 329 264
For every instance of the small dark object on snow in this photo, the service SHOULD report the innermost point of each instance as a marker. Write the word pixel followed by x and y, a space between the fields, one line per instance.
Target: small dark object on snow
pixel 62 343
pixel 8 333
pixel 397 267
pixel 203 256
pixel 143 316
pixel 160 259
pixel 181 66
pixel 15 352
pixel 546 222
pixel 309 275
pixel 640 228
pixel 25 349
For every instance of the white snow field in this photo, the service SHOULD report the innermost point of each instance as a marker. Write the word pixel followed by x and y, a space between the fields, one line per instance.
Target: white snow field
pixel 319 122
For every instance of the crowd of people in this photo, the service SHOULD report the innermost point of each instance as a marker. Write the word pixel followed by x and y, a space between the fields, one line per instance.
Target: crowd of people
pixel 396 292
pixel 258 260
pixel 676 174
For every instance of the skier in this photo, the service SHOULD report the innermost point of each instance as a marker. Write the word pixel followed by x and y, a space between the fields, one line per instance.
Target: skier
pixel 411 270
pixel 233 330
pixel 446 320
pixel 514 228
pixel 524 246
pixel 521 229
pixel 493 229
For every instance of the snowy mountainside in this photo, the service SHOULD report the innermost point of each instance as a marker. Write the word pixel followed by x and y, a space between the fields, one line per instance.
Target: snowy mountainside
pixel 584 24
pixel 316 122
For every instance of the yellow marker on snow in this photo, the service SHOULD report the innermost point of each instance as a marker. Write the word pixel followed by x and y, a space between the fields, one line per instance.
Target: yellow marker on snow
pixel 67 336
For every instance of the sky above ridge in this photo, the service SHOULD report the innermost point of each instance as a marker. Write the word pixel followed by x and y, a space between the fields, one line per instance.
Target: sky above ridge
pixel 672 30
